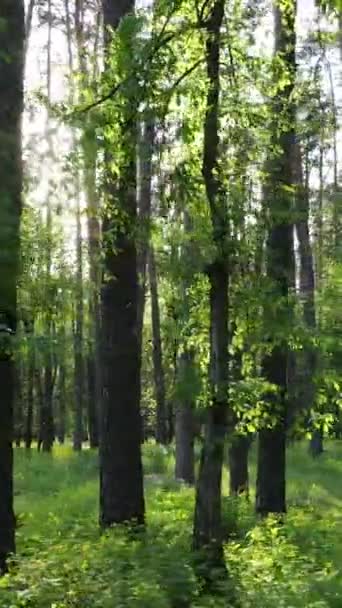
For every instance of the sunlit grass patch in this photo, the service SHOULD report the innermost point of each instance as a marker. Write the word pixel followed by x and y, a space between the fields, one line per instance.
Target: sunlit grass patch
pixel 64 561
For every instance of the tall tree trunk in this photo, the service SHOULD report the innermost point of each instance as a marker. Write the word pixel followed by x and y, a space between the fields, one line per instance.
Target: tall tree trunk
pixel 184 373
pixel 19 399
pixel 145 169
pixel 28 433
pixel 12 34
pixel 78 338
pixel 146 143
pixel 88 143
pixel 61 428
pixel 93 429
pixel 207 521
pixel 271 477
pixel 46 419
pixel 306 290
pixel 162 434
pixel 185 423
pixel 121 477
pixel 94 360
pixel 238 465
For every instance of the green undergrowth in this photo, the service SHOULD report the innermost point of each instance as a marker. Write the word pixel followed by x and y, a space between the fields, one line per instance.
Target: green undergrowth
pixel 64 562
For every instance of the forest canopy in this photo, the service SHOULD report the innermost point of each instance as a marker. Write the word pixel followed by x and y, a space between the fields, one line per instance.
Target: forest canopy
pixel 170 303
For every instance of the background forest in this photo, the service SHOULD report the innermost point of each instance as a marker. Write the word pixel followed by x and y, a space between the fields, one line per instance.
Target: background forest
pixel 170 303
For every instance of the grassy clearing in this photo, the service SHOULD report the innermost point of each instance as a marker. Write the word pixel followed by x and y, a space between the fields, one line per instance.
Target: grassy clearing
pixel 64 562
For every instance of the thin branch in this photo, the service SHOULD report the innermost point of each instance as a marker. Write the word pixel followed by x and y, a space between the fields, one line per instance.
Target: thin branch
pixel 179 81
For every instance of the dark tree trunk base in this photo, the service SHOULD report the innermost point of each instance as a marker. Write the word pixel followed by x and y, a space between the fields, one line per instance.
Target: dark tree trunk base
pixel 316 443
pixel 238 465
pixel 270 487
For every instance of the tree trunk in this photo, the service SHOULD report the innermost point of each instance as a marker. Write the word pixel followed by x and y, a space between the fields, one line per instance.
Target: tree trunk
pixel 62 403
pixel 316 443
pixel 28 435
pixel 207 520
pixel 146 143
pixel 238 465
pixel 47 422
pixel 121 477
pixel 307 292
pixel 162 434
pixel 19 399
pixel 94 360
pixel 12 34
pixel 185 425
pixel 93 429
pixel 271 477
pixel 46 435
pixel 78 338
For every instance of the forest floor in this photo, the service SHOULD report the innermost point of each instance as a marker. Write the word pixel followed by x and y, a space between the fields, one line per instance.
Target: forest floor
pixel 63 561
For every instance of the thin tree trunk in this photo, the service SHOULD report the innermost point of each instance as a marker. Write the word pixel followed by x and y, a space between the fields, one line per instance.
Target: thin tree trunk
pixel 62 397
pixel 207 520
pixel 93 430
pixel 307 292
pixel 238 465
pixel 94 361
pixel 185 424
pixel 183 374
pixel 19 399
pixel 162 434
pixel 28 435
pixel 46 419
pixel 12 36
pixel 271 476
pixel 78 338
pixel 90 154
pixel 146 143
pixel 121 477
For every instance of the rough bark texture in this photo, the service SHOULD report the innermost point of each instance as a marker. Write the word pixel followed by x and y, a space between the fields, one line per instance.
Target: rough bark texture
pixel 121 479
pixel 12 34
pixel 207 521
pixel 270 491
pixel 162 434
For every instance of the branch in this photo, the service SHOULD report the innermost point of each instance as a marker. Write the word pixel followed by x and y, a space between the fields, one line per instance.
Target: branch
pixel 179 81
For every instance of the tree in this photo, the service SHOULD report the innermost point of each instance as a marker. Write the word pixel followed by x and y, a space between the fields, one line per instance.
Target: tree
pixel 12 34
pixel 158 368
pixel 271 477
pixel 121 479
pixel 207 520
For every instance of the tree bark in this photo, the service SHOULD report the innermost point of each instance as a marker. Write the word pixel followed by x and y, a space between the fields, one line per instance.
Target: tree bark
pixel 238 465
pixel 146 143
pixel 46 434
pixel 78 338
pixel 307 292
pixel 121 478
pixel 185 425
pixel 271 476
pixel 207 520
pixel 162 434
pixel 28 434
pixel 12 35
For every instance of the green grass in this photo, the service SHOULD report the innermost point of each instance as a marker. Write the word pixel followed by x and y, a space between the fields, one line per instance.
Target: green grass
pixel 64 562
